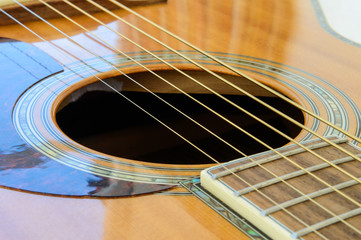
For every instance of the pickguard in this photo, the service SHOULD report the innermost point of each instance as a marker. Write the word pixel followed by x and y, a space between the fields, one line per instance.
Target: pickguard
pixel 21 166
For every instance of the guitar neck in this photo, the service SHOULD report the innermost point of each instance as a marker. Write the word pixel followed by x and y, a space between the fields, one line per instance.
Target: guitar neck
pixel 274 204
pixel 191 83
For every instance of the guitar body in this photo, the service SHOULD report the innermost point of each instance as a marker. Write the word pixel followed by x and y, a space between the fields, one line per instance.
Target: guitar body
pixel 278 43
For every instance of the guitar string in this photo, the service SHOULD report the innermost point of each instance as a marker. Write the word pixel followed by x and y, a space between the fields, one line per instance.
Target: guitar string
pixel 242 90
pixel 276 176
pixel 269 126
pixel 85 28
pixel 246 93
pixel 29 72
pixel 247 183
pixel 233 69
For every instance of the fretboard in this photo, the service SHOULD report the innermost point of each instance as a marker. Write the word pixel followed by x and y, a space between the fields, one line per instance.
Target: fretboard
pixel 294 193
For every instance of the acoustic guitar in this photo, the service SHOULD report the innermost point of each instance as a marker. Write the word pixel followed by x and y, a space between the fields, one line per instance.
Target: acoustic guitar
pixel 176 119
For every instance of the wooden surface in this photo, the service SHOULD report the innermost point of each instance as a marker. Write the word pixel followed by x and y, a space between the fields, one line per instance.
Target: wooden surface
pixel 281 192
pixel 286 32
pixel 24 16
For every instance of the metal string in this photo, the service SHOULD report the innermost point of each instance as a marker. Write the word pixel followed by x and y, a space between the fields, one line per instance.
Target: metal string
pixel 229 67
pixel 244 92
pixel 231 84
pixel 224 80
pixel 271 127
pixel 306 171
pixel 115 90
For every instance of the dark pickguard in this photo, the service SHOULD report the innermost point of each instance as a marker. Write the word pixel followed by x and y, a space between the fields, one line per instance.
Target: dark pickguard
pixel 21 166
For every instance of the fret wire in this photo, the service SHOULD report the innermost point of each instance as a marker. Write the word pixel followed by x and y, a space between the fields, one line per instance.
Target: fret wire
pixel 188 117
pixel 244 92
pixel 275 175
pixel 54 46
pixel 319 179
pixel 328 222
pixel 193 98
pixel 301 199
pixel 293 175
pixel 235 70
pixel 273 158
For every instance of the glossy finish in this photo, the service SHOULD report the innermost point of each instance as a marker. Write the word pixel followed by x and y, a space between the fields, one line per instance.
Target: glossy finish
pixel 22 167
pixel 24 16
pixel 285 35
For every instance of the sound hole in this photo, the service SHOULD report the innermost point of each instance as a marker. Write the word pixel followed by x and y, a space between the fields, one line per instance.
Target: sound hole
pixel 107 122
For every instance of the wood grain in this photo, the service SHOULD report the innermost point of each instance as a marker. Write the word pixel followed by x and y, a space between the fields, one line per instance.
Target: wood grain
pixel 307 212
pixel 23 15
pixel 285 32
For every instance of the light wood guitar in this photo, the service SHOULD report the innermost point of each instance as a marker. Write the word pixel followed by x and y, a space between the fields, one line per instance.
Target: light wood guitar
pixel 109 115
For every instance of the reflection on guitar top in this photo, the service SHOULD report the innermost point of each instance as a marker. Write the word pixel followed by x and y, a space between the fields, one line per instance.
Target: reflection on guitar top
pixel 123 122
